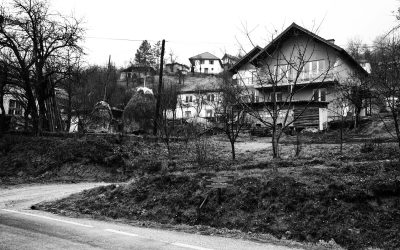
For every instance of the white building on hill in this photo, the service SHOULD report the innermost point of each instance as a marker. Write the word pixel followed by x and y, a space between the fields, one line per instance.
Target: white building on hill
pixel 206 63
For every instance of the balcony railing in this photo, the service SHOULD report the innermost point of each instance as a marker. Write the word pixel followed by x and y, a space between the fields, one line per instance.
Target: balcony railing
pixel 303 79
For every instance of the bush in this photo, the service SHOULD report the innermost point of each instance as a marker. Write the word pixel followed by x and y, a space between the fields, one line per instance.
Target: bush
pixel 367 147
pixel 201 150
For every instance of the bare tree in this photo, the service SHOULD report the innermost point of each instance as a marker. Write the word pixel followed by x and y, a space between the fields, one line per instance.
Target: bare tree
pixel 354 90
pixel 385 77
pixel 283 70
pixel 35 41
pixel 166 123
pixel 231 116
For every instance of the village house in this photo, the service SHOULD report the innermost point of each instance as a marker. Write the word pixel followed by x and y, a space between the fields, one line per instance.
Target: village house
pixel 14 108
pixel 198 98
pixel 228 61
pixel 299 71
pixel 206 63
pixel 176 68
pixel 136 75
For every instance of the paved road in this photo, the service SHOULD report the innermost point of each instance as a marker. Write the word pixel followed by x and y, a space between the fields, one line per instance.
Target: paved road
pixel 22 228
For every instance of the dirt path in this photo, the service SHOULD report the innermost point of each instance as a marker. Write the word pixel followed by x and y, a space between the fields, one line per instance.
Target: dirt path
pixel 23 196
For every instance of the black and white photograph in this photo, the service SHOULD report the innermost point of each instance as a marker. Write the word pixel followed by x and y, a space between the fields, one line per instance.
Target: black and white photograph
pixel 199 125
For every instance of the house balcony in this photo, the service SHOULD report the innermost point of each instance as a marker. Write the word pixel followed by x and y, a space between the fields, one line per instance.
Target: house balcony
pixel 304 79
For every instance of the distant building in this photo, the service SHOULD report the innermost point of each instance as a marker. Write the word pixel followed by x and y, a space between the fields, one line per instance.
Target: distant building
pixel 136 75
pixel 198 98
pixel 176 68
pixel 229 60
pixel 206 63
pixel 13 101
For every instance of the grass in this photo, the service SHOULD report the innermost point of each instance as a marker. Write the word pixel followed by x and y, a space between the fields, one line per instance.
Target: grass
pixel 321 196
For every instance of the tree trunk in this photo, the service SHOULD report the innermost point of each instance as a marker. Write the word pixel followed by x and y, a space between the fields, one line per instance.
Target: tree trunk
pixel 341 135
pixel 357 117
pixel 42 126
pixel 233 149
pixel 69 113
pixel 275 143
pixel 3 115
pixel 396 126
pixel 298 144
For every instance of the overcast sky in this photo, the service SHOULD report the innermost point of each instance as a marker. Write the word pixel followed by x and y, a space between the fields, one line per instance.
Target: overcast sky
pixel 194 27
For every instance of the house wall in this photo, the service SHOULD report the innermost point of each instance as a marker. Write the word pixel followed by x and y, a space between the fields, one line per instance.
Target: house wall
pixel 175 68
pixel 212 68
pixel 6 103
pixel 8 97
pixel 339 69
pixel 312 50
pixel 198 107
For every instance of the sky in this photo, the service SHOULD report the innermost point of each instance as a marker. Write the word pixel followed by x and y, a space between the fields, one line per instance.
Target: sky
pixel 117 27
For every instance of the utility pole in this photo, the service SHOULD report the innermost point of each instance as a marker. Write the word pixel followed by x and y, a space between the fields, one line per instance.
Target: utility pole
pixel 108 78
pixel 160 83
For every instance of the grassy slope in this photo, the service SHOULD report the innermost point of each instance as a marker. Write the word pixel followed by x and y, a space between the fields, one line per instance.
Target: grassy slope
pixel 351 198
pixel 311 199
pixel 44 159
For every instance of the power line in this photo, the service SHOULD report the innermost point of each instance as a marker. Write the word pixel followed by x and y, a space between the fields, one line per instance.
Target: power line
pixel 141 40
pixel 119 39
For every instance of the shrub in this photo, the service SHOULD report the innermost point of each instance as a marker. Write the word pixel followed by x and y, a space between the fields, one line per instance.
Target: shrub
pixel 367 147
pixel 201 150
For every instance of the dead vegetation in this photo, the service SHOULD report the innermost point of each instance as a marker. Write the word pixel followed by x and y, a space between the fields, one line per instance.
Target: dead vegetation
pixel 319 196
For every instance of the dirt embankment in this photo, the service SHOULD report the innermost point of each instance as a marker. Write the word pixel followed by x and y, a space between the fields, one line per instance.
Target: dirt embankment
pixel 357 208
pixel 352 198
pixel 49 159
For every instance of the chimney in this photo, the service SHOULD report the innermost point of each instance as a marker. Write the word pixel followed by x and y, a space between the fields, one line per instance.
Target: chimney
pixel 331 41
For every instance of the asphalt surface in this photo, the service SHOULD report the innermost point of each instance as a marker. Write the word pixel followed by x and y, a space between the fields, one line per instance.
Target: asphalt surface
pixel 23 228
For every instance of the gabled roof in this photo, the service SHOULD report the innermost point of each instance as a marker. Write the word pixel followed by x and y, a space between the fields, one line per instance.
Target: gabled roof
pixel 295 29
pixel 201 84
pixel 226 55
pixel 205 55
pixel 139 68
pixel 175 63
pixel 245 59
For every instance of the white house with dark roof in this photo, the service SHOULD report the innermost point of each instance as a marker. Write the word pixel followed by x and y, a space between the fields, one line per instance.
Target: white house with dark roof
pixel 304 88
pixel 198 98
pixel 206 63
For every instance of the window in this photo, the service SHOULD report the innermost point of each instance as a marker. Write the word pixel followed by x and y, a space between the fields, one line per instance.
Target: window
pixel 306 71
pixel 202 61
pixel 315 95
pixel 211 61
pixel 206 70
pixel 321 67
pixel 209 113
pixel 368 106
pixel 188 114
pixel 277 97
pixel 291 74
pixel 314 67
pixel 322 95
pixel 189 98
pixel 280 72
pixel 14 108
pixel 210 97
pixel 319 95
